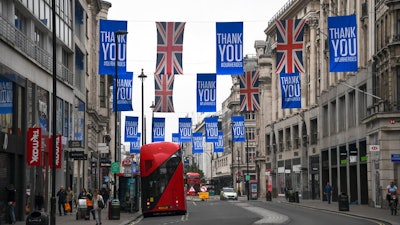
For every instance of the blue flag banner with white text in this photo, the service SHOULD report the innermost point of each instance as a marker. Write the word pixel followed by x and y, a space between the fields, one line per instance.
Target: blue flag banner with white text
pixel 131 128
pixel 135 146
pixel 185 129
pixel 206 92
pixel 211 129
pixel 197 143
pixel 176 138
pixel 219 145
pixel 107 49
pixel 229 38
pixel 124 92
pixel 6 101
pixel 238 129
pixel 343 50
pixel 158 130
pixel 290 90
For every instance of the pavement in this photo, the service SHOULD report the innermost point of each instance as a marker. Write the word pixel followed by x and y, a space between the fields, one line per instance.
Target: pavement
pixel 70 219
pixel 362 211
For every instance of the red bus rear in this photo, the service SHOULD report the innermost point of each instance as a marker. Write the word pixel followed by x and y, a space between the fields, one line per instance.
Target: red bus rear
pixel 162 179
pixel 193 182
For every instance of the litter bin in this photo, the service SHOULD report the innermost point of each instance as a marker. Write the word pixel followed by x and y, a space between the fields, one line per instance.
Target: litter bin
pixel 114 210
pixel 296 197
pixel 269 196
pixel 291 196
pixel 37 218
pixel 343 202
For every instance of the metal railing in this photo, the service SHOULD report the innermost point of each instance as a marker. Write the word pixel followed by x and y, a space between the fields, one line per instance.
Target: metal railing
pixel 16 39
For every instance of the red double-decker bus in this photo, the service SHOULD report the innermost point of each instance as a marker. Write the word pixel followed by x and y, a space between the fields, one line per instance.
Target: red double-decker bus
pixel 193 182
pixel 162 179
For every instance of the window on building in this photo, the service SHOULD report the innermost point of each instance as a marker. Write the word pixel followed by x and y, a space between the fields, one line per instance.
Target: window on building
pixel 397 31
pixel 251 153
pixel 103 92
pixel 351 115
pixel 250 133
pixel 296 139
pixel 288 139
pixel 314 131
pixel 249 116
pixel 332 118
pixel 342 113
pixel 79 69
pixel 362 103
pixel 280 143
pixel 20 21
pixel 325 116
pixel 267 144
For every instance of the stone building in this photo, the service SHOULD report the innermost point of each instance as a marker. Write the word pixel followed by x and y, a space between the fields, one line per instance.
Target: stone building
pixel 81 111
pixel 346 130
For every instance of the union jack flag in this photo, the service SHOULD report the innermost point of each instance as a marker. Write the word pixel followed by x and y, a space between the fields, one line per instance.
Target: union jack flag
pixel 164 85
pixel 290 46
pixel 169 47
pixel 249 100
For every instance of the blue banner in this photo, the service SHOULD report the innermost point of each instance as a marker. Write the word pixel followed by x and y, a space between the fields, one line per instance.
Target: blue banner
pixel 135 145
pixel 185 129
pixel 124 92
pixel 131 129
pixel 6 97
pixel 290 90
pixel 238 131
pixel 219 145
pixel 206 92
pixel 158 130
pixel 176 138
pixel 211 129
pixel 108 29
pixel 197 143
pixel 343 50
pixel 229 37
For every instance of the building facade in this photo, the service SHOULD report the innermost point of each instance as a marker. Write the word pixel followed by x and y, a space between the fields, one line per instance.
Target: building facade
pixel 346 131
pixel 26 76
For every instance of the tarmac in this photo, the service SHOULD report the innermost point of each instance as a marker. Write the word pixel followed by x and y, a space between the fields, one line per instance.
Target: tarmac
pixel 126 218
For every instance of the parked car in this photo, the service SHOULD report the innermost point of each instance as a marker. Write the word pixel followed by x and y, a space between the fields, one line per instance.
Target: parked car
pixel 228 193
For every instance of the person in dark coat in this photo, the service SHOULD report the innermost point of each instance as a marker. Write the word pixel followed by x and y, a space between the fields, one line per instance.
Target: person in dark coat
pixel 11 202
pixel 62 199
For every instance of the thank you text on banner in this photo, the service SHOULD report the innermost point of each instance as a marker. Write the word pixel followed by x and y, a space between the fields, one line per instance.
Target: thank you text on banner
pixel 108 29
pixel 229 47
pixel 206 92
pixel 343 51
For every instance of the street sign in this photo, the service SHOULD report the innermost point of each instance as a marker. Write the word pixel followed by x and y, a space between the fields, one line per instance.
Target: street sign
pixel 395 157
pixel 103 148
pixel 374 148
pixel 115 167
pixel 78 155
pixel 75 144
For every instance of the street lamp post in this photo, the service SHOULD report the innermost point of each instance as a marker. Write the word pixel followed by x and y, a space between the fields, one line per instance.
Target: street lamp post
pixel 142 76
pixel 247 165
pixel 117 34
pixel 237 160
pixel 152 107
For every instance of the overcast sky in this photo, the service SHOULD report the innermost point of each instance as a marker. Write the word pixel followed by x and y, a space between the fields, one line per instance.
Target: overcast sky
pixel 199 53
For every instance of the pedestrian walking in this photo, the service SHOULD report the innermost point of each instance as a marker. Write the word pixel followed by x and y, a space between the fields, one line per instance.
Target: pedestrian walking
pixel 89 205
pixel 62 199
pixel 328 192
pixel 98 205
pixel 70 198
